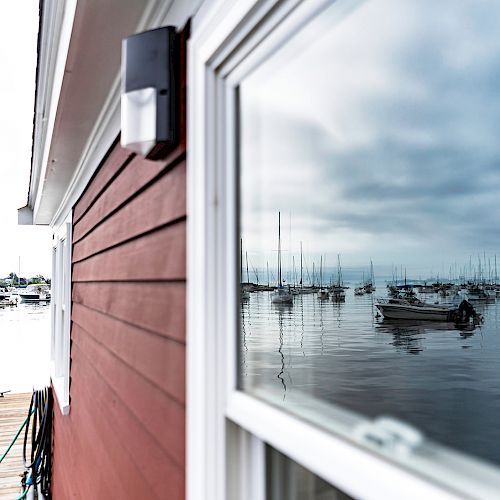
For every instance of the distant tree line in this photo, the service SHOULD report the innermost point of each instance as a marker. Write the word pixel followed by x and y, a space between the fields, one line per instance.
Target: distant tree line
pixel 13 279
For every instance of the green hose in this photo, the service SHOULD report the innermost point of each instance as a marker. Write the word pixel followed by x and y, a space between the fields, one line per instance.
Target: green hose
pixel 15 438
pixel 23 494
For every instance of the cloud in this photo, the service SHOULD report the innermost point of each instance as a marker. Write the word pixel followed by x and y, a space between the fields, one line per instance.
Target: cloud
pixel 380 136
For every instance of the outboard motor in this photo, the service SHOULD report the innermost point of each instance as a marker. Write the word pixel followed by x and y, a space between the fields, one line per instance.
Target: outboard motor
pixel 465 312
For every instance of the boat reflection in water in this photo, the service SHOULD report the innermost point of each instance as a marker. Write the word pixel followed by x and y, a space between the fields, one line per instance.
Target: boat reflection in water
pixel 409 335
pixel 438 376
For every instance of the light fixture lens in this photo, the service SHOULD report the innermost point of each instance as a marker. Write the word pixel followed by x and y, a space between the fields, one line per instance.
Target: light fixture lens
pixel 138 120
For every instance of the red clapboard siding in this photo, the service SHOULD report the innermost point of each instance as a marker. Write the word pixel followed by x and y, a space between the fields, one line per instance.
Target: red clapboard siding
pixel 114 162
pixel 153 410
pixel 125 434
pixel 161 203
pixel 158 359
pixel 158 307
pixel 113 448
pixel 157 256
pixel 125 186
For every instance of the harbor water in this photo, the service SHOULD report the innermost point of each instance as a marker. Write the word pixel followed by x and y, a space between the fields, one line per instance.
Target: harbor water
pixel 24 347
pixel 442 379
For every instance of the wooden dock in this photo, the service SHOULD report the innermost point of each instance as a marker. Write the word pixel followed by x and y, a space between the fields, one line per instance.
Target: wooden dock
pixel 13 411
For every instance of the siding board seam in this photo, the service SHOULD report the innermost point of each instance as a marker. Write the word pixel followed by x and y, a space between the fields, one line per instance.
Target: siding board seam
pixel 170 396
pixel 173 222
pixel 170 457
pixel 153 332
pixel 127 161
pixel 173 281
pixel 166 170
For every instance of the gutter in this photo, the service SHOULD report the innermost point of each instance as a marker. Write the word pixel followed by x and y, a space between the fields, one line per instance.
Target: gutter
pixel 25 214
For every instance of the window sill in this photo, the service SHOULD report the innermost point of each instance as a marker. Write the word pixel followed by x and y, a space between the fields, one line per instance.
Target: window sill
pixel 58 384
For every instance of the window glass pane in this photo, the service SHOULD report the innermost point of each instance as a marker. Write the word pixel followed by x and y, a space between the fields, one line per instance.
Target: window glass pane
pixel 369 197
pixel 287 480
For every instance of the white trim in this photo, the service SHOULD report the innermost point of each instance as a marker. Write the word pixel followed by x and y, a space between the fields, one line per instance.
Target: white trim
pixel 53 39
pixel 61 313
pixel 55 43
pixel 342 464
pixel 206 390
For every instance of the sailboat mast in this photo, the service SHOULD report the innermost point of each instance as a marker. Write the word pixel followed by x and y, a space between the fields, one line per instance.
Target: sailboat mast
pixel 267 266
pixel 279 248
pixel 301 263
pixel 241 260
pixel 339 275
pixel 248 275
pixel 321 272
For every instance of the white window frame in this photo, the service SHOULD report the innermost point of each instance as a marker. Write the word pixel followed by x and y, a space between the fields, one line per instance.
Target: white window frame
pixel 227 428
pixel 61 313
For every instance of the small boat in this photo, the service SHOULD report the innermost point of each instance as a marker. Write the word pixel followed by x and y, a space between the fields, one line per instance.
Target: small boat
pixel 478 294
pixel 337 291
pixel 322 293
pixel 281 296
pixel 35 293
pixel 414 309
pixel 359 290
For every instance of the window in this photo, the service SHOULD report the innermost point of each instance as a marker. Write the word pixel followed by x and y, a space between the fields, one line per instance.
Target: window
pixel 61 314
pixel 287 480
pixel 364 156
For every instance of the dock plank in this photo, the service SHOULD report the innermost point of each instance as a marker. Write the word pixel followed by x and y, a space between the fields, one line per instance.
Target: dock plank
pixel 13 411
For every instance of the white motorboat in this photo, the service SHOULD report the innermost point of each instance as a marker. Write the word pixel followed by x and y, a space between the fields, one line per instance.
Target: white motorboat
pixel 35 293
pixel 414 309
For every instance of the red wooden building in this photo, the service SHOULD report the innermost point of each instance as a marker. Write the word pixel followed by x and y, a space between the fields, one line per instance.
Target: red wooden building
pixel 148 403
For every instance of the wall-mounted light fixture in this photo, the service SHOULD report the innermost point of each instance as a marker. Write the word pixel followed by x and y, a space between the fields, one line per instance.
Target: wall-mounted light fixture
pixel 149 98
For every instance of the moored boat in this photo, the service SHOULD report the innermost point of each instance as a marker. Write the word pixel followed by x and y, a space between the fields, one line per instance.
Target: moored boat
pixel 281 296
pixel 35 293
pixel 415 309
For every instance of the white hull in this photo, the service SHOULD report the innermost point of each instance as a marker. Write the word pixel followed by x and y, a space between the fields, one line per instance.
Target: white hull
pixel 407 311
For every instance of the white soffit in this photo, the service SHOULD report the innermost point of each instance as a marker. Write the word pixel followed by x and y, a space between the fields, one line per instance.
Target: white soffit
pixel 93 60
pixel 86 113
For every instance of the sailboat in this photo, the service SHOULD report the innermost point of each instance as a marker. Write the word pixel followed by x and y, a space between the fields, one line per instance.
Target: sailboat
pixel 244 294
pixel 337 291
pixel 323 292
pixel 370 284
pixel 281 295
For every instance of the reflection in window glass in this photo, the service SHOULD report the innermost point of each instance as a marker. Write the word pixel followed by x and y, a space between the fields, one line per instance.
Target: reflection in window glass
pixel 369 188
pixel 287 480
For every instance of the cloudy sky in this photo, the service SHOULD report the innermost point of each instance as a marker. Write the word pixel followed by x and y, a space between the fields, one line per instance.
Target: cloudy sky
pixel 377 135
pixel 18 37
